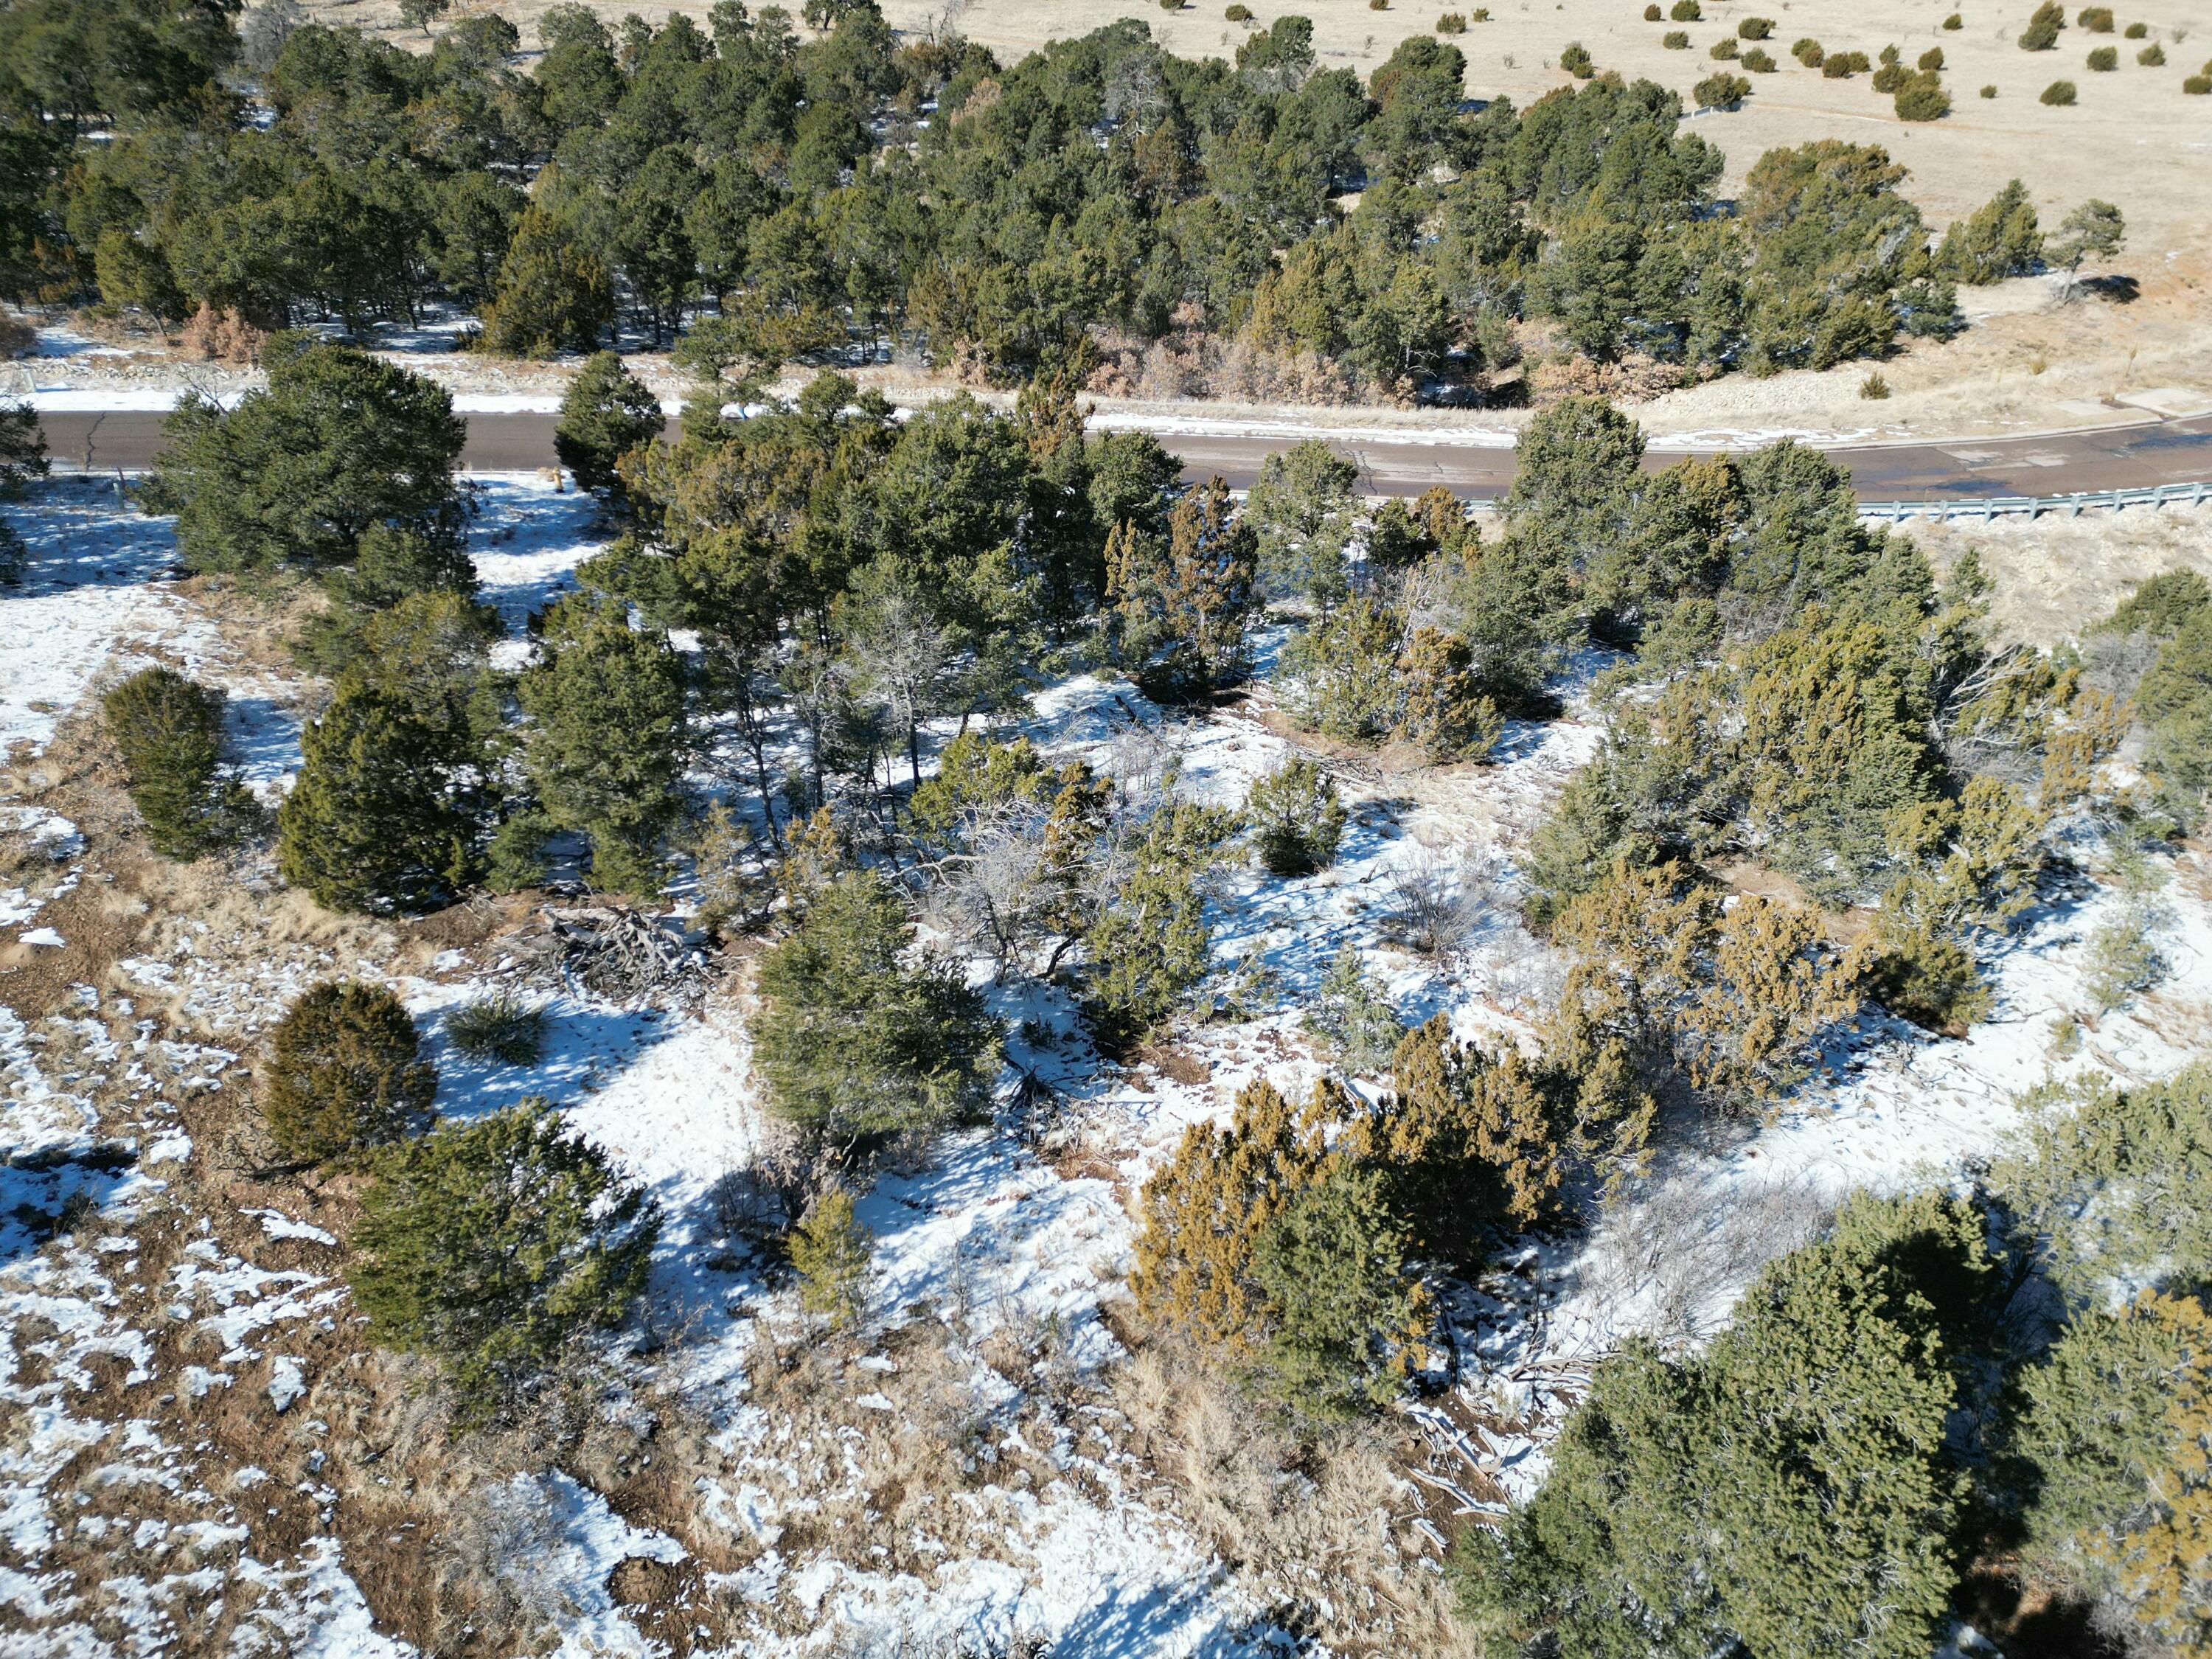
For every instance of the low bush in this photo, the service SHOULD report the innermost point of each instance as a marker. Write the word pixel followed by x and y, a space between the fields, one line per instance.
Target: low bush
pixel 2041 33
pixel 1874 386
pixel 1755 29
pixel 1921 97
pixel 1842 65
pixel 1238 14
pixel 169 730
pixel 2058 94
pixel 1721 91
pixel 2197 86
pixel 1931 60
pixel 1723 49
pixel 345 1072
pixel 1686 11
pixel 489 1245
pixel 1652 14
pixel 2152 56
pixel 1758 61
pixel 1575 60
pixel 1807 51
pixel 1355 1019
pixel 1989 91
pixel 1296 820
pixel 830 1248
pixel 502 1027
pixel 1451 22
pixel 1676 40
pixel 1955 22
pixel 2097 19
pixel 2105 59
pixel 2136 31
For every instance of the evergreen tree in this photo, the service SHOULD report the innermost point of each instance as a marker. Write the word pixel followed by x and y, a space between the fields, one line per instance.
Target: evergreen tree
pixel 491 1245
pixel 852 1040
pixel 1346 1315
pixel 23 457
pixel 1354 1018
pixel 1340 676
pixel 555 294
pixel 387 814
pixel 2174 704
pixel 1149 944
pixel 1183 604
pixel 393 564
pixel 1296 817
pixel 605 746
pixel 297 474
pixel 1794 1490
pixel 831 1250
pixel 345 1072
pixel 605 413
pixel 1448 713
pixel 169 730
pixel 1302 512
pixel 2000 239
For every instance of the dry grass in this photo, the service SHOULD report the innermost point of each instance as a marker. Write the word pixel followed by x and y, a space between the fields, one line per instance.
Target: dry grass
pixel 2057 575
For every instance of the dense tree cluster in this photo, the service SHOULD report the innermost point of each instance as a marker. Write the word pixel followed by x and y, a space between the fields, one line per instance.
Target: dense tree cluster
pixel 1896 1400
pixel 833 185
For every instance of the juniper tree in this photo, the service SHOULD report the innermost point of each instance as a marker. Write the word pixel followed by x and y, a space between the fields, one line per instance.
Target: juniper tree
pixel 607 412
pixel 2000 239
pixel 1296 818
pixel 1148 944
pixel 554 294
pixel 1341 675
pixel 1302 511
pixel 830 1250
pixel 169 730
pixel 853 1038
pixel 393 563
pixel 1355 1019
pixel 345 1072
pixel 607 739
pixel 1794 1491
pixel 489 1245
pixel 1184 602
pixel 23 457
pixel 297 474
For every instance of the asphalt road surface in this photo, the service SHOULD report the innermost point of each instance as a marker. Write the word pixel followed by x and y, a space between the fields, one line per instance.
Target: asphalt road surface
pixel 2132 457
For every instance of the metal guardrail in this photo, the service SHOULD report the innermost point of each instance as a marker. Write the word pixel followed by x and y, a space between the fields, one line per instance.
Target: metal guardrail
pixel 1989 507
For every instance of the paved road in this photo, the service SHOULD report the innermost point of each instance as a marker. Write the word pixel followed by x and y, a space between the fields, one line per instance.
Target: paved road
pixel 2116 458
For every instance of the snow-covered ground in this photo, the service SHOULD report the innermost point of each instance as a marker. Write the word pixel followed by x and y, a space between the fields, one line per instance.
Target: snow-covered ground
pixel 985 1249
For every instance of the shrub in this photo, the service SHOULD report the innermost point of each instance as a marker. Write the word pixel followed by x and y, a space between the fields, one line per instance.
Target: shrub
pixel 1722 50
pixel 2152 56
pixel 2097 19
pixel 1890 77
pixel 2197 86
pixel 1452 23
pixel 1721 91
pixel 1378 5
pixel 853 1040
pixel 1931 60
pixel 1759 61
pixel 1170 5
pixel 1238 14
pixel 2124 956
pixel 1676 40
pixel 2058 94
pixel 169 730
pixel 2105 59
pixel 502 1027
pixel 1955 22
pixel 1842 65
pixel 2136 31
pixel 1686 11
pixel 1921 97
pixel 1921 975
pixel 607 412
pixel 1989 91
pixel 1297 819
pixel 345 1072
pixel 1149 945
pixel 1874 386
pixel 1575 60
pixel 489 1245
pixel 831 1250
pixel 1355 1019
pixel 1652 14
pixel 1448 711
pixel 1755 29
pixel 2041 33
pixel 1807 51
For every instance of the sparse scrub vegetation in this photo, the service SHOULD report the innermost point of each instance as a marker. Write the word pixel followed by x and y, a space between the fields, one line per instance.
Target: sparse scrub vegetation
pixel 502 1027
pixel 2058 94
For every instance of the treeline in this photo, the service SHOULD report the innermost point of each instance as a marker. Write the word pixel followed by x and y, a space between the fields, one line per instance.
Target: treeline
pixel 1266 221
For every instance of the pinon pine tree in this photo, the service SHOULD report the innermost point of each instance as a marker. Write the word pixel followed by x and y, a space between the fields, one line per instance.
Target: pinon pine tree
pixel 169 729
pixel 345 1072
